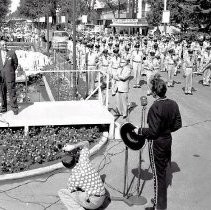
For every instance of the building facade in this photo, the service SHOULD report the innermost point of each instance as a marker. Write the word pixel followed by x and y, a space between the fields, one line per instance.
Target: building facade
pixel 132 19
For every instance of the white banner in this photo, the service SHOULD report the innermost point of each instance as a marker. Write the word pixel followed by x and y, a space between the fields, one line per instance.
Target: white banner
pixel 166 16
pixel 50 20
pixel 63 19
pixel 42 19
pixel 84 18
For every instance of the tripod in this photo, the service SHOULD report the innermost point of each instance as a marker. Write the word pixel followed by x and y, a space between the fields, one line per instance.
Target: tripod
pixel 133 199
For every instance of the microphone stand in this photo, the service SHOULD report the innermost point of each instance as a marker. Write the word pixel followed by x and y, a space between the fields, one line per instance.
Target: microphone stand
pixel 138 199
pixel 131 200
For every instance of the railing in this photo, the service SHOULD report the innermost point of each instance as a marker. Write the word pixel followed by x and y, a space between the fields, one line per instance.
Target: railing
pixel 63 85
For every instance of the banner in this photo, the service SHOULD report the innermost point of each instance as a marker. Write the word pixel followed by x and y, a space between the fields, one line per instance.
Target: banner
pixel 63 19
pixel 42 19
pixel 84 18
pixel 166 16
pixel 50 20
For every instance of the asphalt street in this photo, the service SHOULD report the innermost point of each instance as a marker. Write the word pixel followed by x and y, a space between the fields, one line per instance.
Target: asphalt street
pixel 189 183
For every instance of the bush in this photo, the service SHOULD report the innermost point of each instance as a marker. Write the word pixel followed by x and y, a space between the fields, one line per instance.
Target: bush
pixel 42 145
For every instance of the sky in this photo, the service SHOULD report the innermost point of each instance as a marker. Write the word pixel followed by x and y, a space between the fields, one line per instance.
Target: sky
pixel 14 5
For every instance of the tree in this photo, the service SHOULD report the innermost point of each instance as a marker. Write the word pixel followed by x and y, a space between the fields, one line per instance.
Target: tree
pixel 200 13
pixel 37 8
pixel 184 13
pixel 4 8
pixel 115 5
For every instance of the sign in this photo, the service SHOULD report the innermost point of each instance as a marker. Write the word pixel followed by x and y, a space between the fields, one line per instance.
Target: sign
pixel 50 20
pixel 42 19
pixel 84 18
pixel 124 21
pixel 63 19
pixel 166 16
pixel 59 45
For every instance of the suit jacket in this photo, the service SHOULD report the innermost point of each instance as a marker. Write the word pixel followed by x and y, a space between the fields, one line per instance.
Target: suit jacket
pixel 8 68
pixel 123 79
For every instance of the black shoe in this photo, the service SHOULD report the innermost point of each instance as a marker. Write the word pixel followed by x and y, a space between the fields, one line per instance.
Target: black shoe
pixel 2 110
pixel 149 208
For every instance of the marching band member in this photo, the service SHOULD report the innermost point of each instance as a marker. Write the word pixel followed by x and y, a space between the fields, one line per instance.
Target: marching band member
pixel 189 65
pixel 151 67
pixel 136 59
pixel 114 66
pixel 170 63
pixel 110 48
pixel 91 63
pixel 206 71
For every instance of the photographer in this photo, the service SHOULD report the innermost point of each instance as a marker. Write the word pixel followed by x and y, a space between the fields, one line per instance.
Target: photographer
pixel 163 118
pixel 85 188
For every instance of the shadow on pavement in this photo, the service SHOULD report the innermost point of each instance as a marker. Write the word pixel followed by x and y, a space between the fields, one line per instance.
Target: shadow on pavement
pixel 172 168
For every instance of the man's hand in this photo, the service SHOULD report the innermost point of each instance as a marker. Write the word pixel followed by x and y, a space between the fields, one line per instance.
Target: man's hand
pixel 136 130
pixel 68 148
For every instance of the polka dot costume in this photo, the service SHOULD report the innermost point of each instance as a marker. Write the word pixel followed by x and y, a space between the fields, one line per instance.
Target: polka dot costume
pixel 85 177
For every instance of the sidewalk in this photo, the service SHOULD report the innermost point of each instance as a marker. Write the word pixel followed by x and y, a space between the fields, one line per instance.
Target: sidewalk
pixel 189 177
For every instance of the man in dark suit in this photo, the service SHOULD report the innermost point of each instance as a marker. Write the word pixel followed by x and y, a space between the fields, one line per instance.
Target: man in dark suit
pixel 8 65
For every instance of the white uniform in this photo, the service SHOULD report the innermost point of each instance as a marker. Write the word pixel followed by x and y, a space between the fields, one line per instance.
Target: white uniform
pixel 136 60
pixel 114 66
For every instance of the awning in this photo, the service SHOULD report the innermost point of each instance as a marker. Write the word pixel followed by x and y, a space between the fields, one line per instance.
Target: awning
pixel 128 25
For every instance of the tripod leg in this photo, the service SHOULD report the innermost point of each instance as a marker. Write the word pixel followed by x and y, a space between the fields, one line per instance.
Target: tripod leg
pixel 125 172
pixel 139 173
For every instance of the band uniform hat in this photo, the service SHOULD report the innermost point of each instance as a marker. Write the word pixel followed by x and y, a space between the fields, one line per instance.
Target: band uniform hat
pixel 110 44
pixel 105 51
pixel 190 51
pixel 208 47
pixel 91 45
pixel 104 41
pixel 97 46
pixel 130 138
pixel 127 48
pixel 171 51
pixel 117 45
pixel 137 45
pixel 152 52
pixel 116 50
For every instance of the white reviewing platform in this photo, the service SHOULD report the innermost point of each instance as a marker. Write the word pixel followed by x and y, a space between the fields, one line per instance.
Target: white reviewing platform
pixel 59 113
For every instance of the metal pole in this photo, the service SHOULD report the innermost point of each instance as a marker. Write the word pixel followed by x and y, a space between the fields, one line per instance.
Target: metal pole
pixel 47 34
pixel 165 8
pixel 74 48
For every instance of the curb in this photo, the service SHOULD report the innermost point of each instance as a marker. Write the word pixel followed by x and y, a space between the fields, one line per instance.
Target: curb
pixel 48 89
pixel 48 169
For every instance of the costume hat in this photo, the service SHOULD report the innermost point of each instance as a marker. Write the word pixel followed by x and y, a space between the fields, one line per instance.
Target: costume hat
pixel 130 138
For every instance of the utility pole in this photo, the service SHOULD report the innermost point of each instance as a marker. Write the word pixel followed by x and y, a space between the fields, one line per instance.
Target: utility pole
pixel 47 33
pixel 74 49
pixel 165 8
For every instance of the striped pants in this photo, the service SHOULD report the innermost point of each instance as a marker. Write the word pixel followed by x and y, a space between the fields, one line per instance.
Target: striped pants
pixel 160 156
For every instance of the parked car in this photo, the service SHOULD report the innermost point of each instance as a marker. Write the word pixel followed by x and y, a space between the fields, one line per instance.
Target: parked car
pixel 60 39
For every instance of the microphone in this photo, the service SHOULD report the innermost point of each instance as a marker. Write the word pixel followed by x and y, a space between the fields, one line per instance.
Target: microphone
pixel 143 100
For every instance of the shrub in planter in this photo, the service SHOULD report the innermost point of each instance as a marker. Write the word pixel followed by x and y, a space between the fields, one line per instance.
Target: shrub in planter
pixel 41 146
